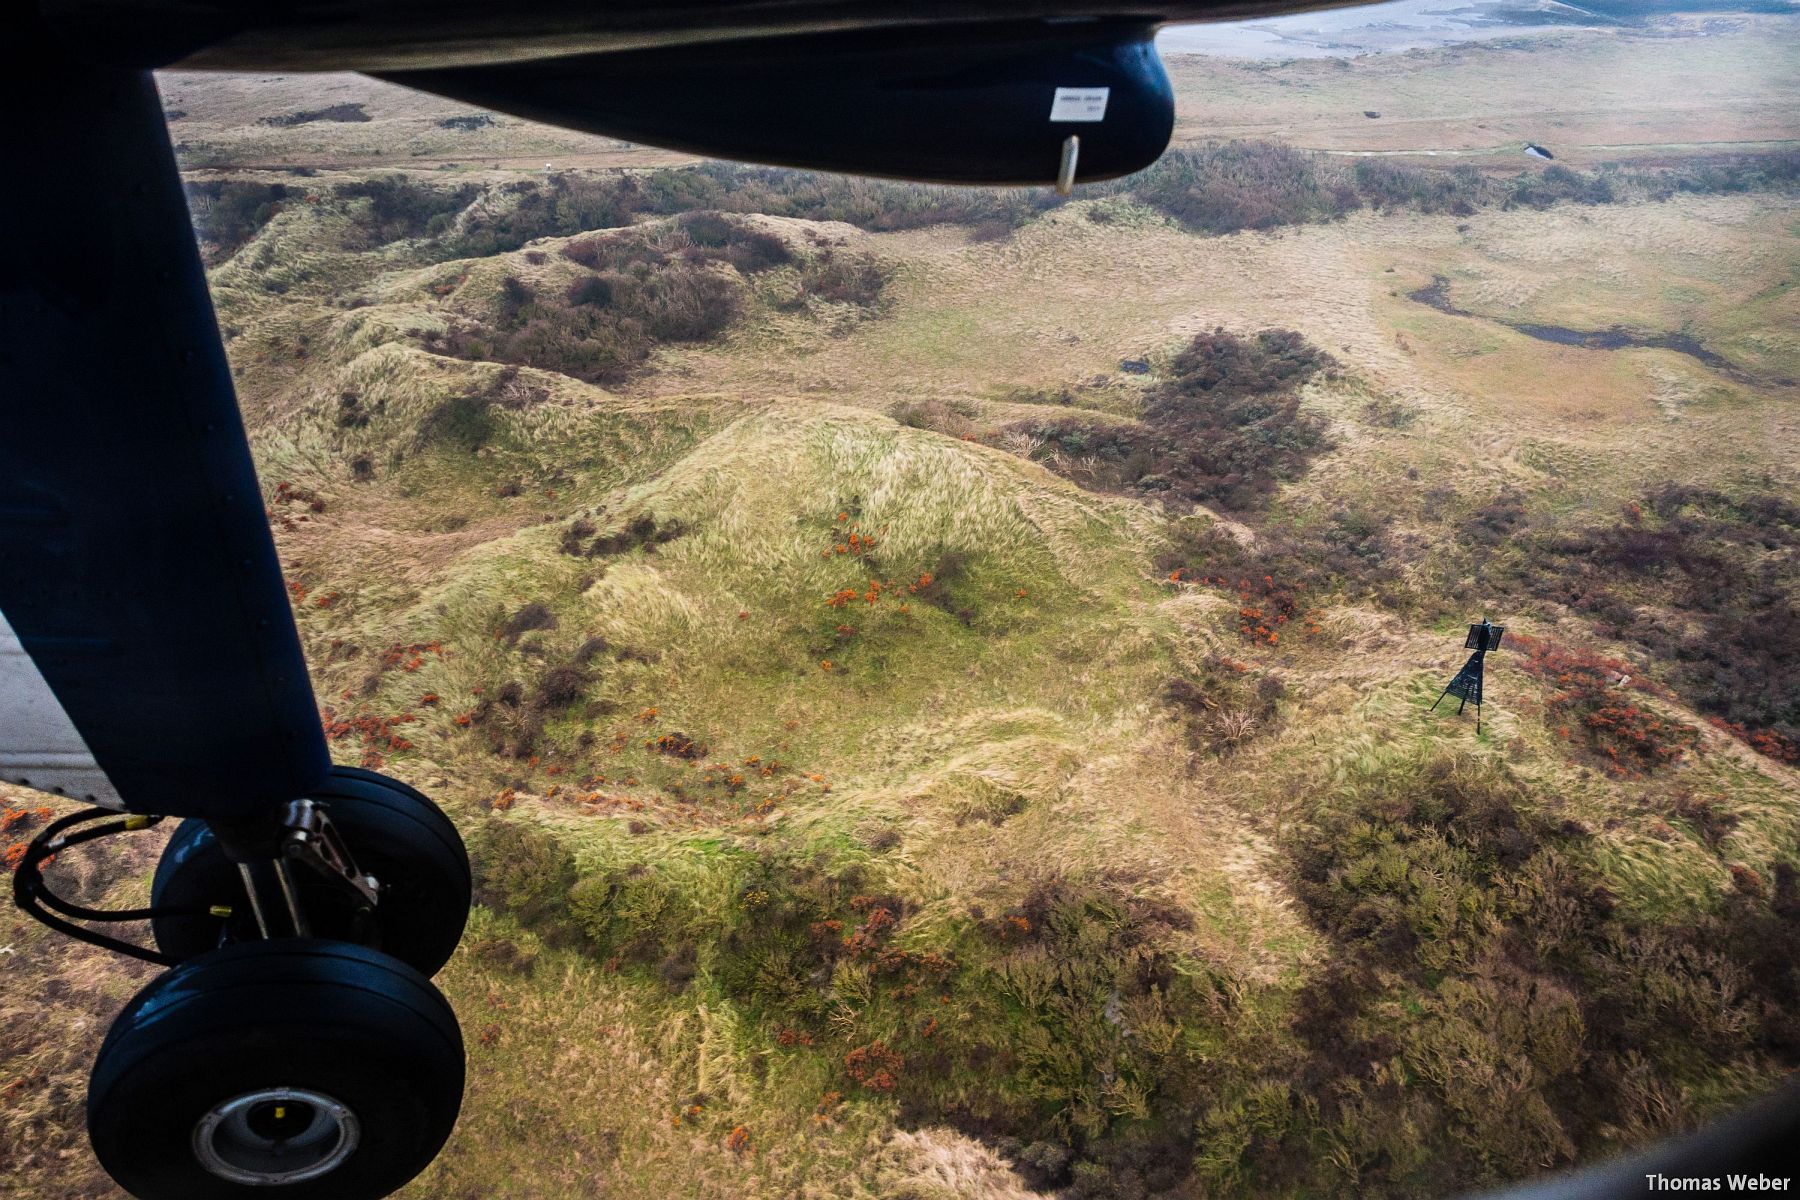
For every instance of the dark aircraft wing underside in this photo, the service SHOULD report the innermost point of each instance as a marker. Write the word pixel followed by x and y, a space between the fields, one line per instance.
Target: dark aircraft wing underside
pixel 403 35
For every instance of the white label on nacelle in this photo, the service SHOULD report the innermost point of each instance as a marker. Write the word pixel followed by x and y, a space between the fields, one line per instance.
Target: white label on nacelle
pixel 1079 104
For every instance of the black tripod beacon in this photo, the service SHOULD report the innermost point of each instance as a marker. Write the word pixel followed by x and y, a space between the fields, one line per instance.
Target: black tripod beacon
pixel 1467 684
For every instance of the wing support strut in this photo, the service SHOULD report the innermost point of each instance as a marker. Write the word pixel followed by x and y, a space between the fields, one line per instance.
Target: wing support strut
pixel 137 570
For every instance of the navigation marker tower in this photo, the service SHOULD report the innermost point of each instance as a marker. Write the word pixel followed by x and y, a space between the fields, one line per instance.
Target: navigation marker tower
pixel 1466 686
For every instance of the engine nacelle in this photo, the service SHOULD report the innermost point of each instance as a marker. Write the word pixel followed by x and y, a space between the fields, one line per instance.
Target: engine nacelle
pixel 971 105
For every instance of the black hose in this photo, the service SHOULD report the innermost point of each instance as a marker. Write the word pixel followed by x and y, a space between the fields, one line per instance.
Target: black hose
pixel 34 897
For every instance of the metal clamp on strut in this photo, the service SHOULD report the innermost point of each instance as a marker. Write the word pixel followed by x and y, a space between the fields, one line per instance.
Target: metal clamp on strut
pixel 311 838
pixel 306 834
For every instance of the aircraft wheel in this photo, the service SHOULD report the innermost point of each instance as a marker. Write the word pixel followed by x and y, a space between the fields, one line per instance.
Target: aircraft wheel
pixel 395 834
pixel 298 1068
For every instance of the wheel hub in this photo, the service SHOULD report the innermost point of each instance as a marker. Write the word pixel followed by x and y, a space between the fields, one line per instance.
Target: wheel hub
pixel 275 1136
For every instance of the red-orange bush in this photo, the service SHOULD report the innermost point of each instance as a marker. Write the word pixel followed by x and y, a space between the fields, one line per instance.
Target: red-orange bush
pixel 1764 741
pixel 17 822
pixel 1591 695
pixel 874 1066
pixel 377 733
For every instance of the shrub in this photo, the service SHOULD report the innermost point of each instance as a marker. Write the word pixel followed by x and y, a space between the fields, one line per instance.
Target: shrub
pixel 1402 875
pixel 559 687
pixel 843 279
pixel 716 237
pixel 227 213
pixel 939 416
pixel 575 536
pixel 525 210
pixel 647 287
pixel 398 207
pixel 595 290
pixel 1281 579
pixel 515 293
pixel 523 870
pixel 504 954
pixel 875 1067
pixel 1225 426
pixel 1231 408
pixel 1704 582
pixel 1590 698
pixel 1558 183
pixel 1223 187
pixel 531 617
pixel 635 254
pixel 347 113
pixel 1227 704
pixel 1497 521
pixel 684 305
pixel 1488 1008
pixel 1386 184
pixel 875 205
pixel 642 530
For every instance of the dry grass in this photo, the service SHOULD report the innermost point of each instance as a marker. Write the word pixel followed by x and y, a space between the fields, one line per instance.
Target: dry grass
pixel 937 1164
pixel 645 1099
pixel 225 114
pixel 1636 92
pixel 56 1000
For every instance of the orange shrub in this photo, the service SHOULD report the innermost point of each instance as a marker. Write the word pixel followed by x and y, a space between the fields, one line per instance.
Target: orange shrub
pixel 1591 697
pixel 874 1066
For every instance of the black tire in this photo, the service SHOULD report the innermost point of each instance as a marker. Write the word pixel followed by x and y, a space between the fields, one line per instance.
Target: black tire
pixel 394 832
pixel 328 1028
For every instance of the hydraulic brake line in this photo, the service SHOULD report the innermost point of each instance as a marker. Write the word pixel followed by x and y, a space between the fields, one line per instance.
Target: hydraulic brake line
pixel 33 895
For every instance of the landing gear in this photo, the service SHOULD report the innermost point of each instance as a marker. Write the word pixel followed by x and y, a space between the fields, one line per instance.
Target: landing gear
pixel 394 834
pixel 297 1046
pixel 300 1068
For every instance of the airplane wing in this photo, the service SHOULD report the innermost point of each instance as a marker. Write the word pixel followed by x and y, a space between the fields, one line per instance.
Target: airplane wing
pixel 954 91
pixel 379 36
pixel 986 105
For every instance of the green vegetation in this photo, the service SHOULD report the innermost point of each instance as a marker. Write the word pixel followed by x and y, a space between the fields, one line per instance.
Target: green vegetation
pixel 227 213
pixel 349 113
pixel 740 727
pixel 1493 1002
